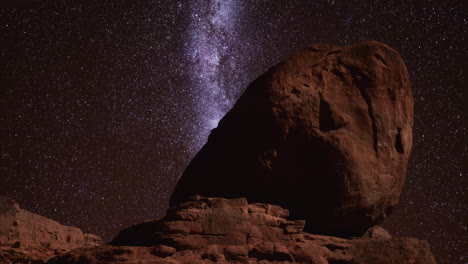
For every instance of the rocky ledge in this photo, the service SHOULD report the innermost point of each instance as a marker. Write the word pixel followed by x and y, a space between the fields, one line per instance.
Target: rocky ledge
pixel 217 230
pixel 26 237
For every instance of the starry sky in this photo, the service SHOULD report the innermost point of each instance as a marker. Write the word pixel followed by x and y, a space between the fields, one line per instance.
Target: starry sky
pixel 103 103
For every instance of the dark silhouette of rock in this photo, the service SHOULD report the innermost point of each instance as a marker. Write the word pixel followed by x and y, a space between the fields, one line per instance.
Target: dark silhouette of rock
pixel 30 238
pixel 216 230
pixel 327 134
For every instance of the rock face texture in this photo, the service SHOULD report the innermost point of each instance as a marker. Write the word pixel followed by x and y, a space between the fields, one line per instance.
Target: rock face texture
pixel 216 230
pixel 24 235
pixel 327 134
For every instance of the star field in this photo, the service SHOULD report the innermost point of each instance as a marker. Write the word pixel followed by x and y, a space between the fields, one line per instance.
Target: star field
pixel 104 103
pixel 212 31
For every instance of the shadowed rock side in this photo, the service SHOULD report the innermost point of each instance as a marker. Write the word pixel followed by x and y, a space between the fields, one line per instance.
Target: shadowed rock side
pixel 326 134
pixel 30 238
pixel 216 230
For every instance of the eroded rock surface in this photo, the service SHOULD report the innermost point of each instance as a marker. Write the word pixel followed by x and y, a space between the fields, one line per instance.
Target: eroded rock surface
pixel 216 230
pixel 327 134
pixel 26 237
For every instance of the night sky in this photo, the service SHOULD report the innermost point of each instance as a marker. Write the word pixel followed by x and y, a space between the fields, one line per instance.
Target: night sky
pixel 104 103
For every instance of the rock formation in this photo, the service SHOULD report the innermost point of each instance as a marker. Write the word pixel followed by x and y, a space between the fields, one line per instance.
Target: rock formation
pixel 27 236
pixel 326 133
pixel 216 230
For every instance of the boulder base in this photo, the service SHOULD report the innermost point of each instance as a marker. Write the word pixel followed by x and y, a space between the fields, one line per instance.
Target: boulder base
pixel 216 230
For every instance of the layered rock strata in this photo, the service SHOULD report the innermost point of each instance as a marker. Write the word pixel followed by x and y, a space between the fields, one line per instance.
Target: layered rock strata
pixel 216 230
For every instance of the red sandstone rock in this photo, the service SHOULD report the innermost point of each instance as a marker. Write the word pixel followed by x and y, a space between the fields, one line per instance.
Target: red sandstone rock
pixel 30 238
pixel 326 134
pixel 377 232
pixel 215 230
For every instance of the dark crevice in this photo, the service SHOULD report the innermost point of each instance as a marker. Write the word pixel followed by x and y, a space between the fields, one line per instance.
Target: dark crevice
pixel 333 247
pixel 398 142
pixel 334 52
pixel 270 256
pixel 338 261
pixel 380 59
pixel 340 75
pixel 389 210
pixel 326 120
pixel 362 82
pixel 209 257
pixel 370 111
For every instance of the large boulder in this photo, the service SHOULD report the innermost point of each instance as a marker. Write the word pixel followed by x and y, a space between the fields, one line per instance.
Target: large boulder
pixel 327 134
pixel 215 230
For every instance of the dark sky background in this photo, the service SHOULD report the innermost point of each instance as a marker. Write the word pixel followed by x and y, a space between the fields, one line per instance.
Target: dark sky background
pixel 103 103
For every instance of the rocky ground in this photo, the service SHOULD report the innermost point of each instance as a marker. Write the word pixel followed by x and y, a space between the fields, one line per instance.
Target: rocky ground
pixel 217 230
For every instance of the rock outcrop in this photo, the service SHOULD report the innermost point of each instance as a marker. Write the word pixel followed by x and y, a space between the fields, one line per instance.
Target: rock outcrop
pixel 216 230
pixel 327 134
pixel 27 237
